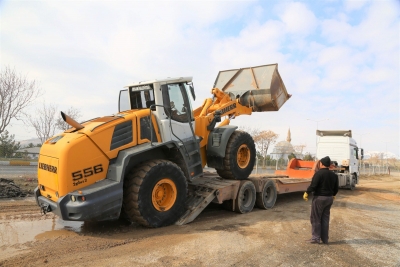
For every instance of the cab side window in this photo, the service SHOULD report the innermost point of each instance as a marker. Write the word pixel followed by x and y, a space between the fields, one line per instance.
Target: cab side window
pixel 178 104
pixel 355 153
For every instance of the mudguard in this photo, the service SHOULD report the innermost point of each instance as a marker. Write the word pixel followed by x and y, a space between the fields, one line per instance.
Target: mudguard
pixel 216 146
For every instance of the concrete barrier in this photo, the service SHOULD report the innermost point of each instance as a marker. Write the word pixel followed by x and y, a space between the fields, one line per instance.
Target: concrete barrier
pixel 18 163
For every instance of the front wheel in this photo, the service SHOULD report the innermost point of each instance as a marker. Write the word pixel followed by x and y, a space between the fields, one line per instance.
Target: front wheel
pixel 155 193
pixel 353 181
pixel 239 157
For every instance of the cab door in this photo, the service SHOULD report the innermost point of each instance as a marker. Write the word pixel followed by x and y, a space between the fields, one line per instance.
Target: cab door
pixel 353 164
pixel 177 125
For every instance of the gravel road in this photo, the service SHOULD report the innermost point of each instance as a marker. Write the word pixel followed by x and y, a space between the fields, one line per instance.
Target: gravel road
pixel 364 232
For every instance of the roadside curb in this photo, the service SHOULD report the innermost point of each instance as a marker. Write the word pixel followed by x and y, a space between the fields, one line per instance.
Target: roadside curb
pixel 18 163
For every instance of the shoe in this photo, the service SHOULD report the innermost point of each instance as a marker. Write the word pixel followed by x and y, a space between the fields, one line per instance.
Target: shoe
pixel 312 241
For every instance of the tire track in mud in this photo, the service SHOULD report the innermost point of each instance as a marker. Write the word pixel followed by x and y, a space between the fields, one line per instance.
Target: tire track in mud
pixel 362 234
pixel 22 209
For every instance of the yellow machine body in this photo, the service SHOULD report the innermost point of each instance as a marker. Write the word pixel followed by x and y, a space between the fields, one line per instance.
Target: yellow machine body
pixel 76 159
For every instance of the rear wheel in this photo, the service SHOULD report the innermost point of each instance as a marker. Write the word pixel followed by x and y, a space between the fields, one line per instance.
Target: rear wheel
pixel 267 197
pixel 239 157
pixel 246 198
pixel 155 193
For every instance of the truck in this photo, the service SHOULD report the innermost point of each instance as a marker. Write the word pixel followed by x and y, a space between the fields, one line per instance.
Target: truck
pixel 343 151
pixel 147 162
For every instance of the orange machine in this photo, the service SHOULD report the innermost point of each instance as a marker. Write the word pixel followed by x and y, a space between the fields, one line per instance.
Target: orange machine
pixel 142 161
pixel 300 169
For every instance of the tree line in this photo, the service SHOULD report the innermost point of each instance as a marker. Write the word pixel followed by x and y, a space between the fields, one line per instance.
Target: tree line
pixel 264 139
pixel 17 94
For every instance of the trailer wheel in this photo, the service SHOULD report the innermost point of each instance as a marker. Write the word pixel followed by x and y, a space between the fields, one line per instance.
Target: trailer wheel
pixel 239 158
pixel 246 198
pixel 155 193
pixel 267 197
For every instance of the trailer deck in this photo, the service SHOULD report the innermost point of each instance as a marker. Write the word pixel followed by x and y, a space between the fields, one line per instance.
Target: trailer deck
pixel 212 188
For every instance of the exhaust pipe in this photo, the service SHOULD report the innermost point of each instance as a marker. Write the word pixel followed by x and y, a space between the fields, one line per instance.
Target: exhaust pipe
pixel 71 121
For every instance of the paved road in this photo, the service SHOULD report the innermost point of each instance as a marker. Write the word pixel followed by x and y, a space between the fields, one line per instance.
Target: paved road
pixel 18 170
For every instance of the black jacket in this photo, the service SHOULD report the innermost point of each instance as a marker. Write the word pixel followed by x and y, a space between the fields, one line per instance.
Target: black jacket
pixel 324 183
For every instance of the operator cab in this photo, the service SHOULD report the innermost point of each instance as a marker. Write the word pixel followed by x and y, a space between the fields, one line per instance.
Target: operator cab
pixel 136 97
pixel 177 97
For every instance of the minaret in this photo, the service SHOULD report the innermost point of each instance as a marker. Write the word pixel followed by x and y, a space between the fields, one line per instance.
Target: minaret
pixel 288 136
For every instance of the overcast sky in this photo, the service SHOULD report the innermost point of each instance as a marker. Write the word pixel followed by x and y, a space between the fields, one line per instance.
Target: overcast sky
pixel 339 59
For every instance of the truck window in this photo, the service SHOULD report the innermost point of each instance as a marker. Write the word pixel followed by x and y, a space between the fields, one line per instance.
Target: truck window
pixel 355 152
pixel 177 102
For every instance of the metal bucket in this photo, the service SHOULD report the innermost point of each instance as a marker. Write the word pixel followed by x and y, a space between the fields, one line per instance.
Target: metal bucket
pixel 258 87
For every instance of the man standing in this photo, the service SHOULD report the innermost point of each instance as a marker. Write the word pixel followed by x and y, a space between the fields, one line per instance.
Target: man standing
pixel 325 185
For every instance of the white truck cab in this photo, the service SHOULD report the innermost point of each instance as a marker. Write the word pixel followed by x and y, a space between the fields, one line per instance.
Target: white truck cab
pixel 343 149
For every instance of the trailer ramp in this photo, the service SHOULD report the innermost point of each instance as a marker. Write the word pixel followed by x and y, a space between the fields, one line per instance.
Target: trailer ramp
pixel 203 190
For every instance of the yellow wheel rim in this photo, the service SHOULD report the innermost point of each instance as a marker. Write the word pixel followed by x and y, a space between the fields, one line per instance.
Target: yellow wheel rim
pixel 243 156
pixel 164 195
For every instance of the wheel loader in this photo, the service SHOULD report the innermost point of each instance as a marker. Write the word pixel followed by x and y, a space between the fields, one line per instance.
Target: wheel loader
pixel 146 162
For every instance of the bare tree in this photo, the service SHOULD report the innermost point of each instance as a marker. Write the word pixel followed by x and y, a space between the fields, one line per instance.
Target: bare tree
pixel 44 122
pixel 263 140
pixel 16 93
pixel 299 149
pixel 71 112
pixel 251 130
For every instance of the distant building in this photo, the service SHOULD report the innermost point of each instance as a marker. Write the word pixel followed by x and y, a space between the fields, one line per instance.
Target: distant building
pixel 31 152
pixel 284 148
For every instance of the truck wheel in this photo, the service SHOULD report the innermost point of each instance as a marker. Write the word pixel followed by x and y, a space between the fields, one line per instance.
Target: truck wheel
pixel 239 157
pixel 267 197
pixel 155 193
pixel 353 182
pixel 246 198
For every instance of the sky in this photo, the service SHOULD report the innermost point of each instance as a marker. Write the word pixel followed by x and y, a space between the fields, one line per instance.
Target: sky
pixel 339 59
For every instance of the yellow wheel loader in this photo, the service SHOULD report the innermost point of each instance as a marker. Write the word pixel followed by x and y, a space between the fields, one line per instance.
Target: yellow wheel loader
pixel 147 161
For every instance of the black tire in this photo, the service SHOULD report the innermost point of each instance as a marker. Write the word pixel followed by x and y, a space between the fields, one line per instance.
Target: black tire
pixel 353 181
pixel 246 198
pixel 238 141
pixel 267 197
pixel 139 187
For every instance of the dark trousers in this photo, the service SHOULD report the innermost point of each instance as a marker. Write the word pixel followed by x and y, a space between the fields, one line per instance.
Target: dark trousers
pixel 320 214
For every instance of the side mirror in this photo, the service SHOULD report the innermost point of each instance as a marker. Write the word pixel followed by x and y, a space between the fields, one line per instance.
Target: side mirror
pixel 192 91
pixel 362 153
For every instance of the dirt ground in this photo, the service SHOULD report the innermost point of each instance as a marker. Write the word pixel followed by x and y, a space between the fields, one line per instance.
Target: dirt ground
pixel 364 231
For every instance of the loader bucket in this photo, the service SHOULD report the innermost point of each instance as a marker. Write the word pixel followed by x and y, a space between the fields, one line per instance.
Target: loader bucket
pixel 258 87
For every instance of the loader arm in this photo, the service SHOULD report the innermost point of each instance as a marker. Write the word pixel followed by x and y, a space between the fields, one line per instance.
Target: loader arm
pixel 222 106
pixel 243 91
